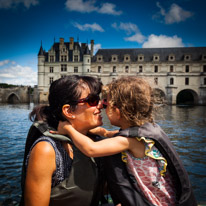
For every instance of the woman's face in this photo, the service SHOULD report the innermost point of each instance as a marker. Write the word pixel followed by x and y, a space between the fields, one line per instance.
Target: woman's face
pixel 87 117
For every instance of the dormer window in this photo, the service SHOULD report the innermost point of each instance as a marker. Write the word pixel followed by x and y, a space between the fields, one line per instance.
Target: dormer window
pixel 140 58
pixel 204 57
pixel 171 57
pixel 51 59
pixel 187 57
pixel 99 58
pixel 156 58
pixel 76 58
pixel 126 58
pixel 114 58
pixel 63 58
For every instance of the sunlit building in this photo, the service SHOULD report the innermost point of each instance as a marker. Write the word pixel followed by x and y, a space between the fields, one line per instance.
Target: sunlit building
pixel 178 75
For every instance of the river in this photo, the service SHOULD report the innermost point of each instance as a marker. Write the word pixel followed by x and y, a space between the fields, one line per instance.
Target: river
pixel 186 127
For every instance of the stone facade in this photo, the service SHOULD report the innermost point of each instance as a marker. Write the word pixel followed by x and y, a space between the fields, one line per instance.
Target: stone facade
pixel 178 75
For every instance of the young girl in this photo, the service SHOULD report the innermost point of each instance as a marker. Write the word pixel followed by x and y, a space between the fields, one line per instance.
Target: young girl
pixel 147 151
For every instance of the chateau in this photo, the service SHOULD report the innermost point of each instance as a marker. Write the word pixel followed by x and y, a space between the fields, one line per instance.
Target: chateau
pixel 178 75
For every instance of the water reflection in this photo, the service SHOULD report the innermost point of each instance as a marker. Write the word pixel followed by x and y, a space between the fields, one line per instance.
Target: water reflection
pixel 184 125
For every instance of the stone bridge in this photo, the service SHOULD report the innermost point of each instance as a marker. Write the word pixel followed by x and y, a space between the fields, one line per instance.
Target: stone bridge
pixel 15 95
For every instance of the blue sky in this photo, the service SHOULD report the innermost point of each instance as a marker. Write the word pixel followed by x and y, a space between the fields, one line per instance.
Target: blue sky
pixel 110 23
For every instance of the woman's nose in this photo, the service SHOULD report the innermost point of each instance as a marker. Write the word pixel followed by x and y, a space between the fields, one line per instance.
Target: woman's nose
pixel 100 105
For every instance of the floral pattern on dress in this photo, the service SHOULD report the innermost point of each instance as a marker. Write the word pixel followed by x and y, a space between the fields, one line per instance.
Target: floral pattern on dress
pixel 151 175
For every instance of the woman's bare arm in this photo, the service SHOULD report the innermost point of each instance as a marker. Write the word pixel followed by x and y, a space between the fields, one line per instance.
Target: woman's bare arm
pixel 39 174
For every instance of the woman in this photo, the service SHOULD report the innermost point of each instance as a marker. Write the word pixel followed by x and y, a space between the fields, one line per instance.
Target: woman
pixel 55 172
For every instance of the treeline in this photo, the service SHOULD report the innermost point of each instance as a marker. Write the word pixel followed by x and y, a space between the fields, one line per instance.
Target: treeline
pixel 5 85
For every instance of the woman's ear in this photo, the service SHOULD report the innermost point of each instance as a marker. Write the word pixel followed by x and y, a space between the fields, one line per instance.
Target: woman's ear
pixel 66 111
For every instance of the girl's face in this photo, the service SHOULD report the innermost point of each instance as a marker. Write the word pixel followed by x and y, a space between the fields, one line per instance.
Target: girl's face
pixel 87 117
pixel 112 113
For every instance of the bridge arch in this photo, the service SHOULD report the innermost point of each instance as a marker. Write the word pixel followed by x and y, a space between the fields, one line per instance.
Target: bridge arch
pixel 187 97
pixel 13 99
pixel 159 96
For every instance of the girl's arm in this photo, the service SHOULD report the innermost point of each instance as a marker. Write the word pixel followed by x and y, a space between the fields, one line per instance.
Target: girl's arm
pixel 104 147
pixel 39 173
pixel 103 132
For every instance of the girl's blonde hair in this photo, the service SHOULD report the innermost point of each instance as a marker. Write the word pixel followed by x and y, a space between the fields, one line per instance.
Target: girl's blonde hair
pixel 133 97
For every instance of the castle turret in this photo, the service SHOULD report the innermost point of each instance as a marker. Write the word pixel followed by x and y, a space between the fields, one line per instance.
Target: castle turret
pixel 41 71
pixel 86 60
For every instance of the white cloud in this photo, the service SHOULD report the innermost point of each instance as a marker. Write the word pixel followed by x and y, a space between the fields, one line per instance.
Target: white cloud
pixel 108 8
pixel 12 73
pixel 89 6
pixel 7 4
pixel 162 41
pixel 127 27
pixel 175 14
pixel 130 28
pixel 139 38
pixel 87 27
pixel 96 47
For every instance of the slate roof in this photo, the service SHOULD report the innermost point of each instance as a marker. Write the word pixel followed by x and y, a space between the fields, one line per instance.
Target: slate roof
pixel 148 53
pixel 83 50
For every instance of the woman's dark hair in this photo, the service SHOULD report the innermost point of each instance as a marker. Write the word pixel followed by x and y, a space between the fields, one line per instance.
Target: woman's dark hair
pixel 66 90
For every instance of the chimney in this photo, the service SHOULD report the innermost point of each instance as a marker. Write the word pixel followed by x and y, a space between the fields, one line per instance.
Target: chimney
pixel 71 43
pixel 61 40
pixel 92 47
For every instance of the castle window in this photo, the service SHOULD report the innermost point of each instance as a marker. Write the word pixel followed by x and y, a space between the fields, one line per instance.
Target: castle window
pixel 204 68
pixel 171 68
pixel 156 58
pixel 171 81
pixel 75 69
pixel 126 58
pixel 127 69
pixel 63 67
pixel 63 58
pixel 114 70
pixel 114 58
pixel 99 58
pixel 88 60
pixel 76 58
pixel 204 81
pixel 99 69
pixel 186 81
pixel 203 57
pixel 187 68
pixel 63 75
pixel 51 69
pixel 51 58
pixel 140 68
pixel 140 58
pixel 51 79
pixel 187 57
pixel 155 68
pixel 88 70
pixel 156 81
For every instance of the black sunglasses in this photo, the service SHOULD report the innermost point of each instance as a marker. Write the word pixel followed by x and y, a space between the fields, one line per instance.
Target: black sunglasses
pixel 91 99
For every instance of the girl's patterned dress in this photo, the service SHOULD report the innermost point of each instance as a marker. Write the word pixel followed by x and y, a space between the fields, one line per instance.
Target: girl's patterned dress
pixel 151 175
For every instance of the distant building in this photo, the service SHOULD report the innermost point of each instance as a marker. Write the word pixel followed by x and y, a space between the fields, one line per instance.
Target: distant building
pixel 178 75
